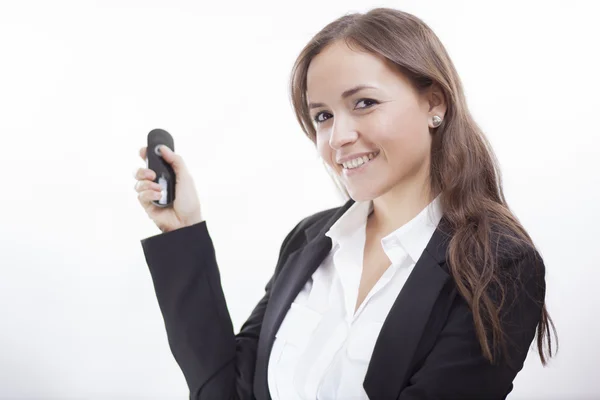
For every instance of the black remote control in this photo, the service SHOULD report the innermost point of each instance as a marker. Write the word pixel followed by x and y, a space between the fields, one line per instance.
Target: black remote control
pixel 165 176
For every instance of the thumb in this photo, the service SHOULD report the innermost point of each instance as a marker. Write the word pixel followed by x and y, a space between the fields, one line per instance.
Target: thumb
pixel 172 159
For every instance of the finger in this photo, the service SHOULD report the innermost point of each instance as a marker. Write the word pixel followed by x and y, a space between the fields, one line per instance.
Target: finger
pixel 143 153
pixel 146 197
pixel 146 185
pixel 175 160
pixel 145 173
pixel 139 173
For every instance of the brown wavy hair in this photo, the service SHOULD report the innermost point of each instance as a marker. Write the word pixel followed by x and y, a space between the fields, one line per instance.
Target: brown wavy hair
pixel 463 169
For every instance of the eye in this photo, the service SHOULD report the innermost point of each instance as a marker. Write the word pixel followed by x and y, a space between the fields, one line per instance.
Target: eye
pixel 366 101
pixel 316 118
pixel 319 121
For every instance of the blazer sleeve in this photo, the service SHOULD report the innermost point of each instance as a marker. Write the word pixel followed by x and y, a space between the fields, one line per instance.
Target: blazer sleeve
pixel 216 363
pixel 455 367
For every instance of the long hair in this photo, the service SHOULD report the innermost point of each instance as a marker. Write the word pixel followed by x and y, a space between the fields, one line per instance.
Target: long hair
pixel 463 169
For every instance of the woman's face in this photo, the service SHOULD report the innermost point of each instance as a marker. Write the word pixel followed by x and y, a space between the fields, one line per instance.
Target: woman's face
pixel 389 119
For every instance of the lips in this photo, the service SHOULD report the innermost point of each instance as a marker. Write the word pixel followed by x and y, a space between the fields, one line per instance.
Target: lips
pixel 344 159
pixel 353 171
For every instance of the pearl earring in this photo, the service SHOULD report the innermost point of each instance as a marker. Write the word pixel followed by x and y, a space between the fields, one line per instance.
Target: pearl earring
pixel 437 121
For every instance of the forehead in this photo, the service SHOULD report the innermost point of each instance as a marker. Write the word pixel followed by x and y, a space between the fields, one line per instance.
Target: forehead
pixel 337 68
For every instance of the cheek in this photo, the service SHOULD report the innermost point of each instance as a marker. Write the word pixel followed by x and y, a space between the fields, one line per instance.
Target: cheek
pixel 405 137
pixel 323 148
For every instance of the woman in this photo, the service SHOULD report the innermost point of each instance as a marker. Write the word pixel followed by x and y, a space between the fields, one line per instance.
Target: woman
pixel 423 285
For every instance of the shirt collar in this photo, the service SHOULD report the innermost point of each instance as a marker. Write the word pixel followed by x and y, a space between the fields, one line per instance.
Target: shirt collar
pixel 411 238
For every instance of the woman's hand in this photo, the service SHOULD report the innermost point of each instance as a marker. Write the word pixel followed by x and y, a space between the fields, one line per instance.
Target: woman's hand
pixel 185 210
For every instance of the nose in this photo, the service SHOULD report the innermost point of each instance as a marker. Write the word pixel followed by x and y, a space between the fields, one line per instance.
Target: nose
pixel 343 131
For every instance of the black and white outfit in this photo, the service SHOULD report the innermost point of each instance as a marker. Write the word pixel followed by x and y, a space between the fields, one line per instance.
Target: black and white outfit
pixel 411 338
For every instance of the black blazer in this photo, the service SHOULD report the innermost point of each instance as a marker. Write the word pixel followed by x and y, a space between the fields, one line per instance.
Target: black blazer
pixel 427 348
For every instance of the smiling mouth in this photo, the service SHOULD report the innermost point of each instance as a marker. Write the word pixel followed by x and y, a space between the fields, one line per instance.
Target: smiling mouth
pixel 361 163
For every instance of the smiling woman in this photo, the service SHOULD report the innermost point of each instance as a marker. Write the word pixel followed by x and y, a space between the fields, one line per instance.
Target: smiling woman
pixel 387 116
pixel 382 83
pixel 423 285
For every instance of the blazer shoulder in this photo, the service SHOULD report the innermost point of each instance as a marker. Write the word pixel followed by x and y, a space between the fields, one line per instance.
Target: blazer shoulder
pixel 518 259
pixel 511 247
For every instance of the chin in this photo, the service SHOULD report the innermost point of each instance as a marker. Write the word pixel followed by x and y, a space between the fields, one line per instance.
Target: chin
pixel 362 194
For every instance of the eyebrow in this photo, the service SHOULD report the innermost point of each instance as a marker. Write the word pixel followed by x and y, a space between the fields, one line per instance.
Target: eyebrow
pixel 346 94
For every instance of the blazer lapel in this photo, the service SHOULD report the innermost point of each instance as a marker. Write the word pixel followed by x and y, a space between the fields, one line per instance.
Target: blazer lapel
pixel 402 329
pixel 404 326
pixel 295 272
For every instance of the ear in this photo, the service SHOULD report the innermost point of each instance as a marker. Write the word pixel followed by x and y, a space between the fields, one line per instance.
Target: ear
pixel 437 101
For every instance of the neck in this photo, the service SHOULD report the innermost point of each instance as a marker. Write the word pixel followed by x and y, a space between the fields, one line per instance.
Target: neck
pixel 398 206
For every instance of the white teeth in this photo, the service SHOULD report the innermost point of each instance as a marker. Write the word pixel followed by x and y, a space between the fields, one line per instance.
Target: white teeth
pixel 357 162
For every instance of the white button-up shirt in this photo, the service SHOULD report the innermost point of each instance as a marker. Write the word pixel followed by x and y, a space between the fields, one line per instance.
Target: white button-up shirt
pixel 322 348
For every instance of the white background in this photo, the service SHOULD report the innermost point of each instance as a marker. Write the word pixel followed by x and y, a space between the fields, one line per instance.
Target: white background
pixel 83 82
